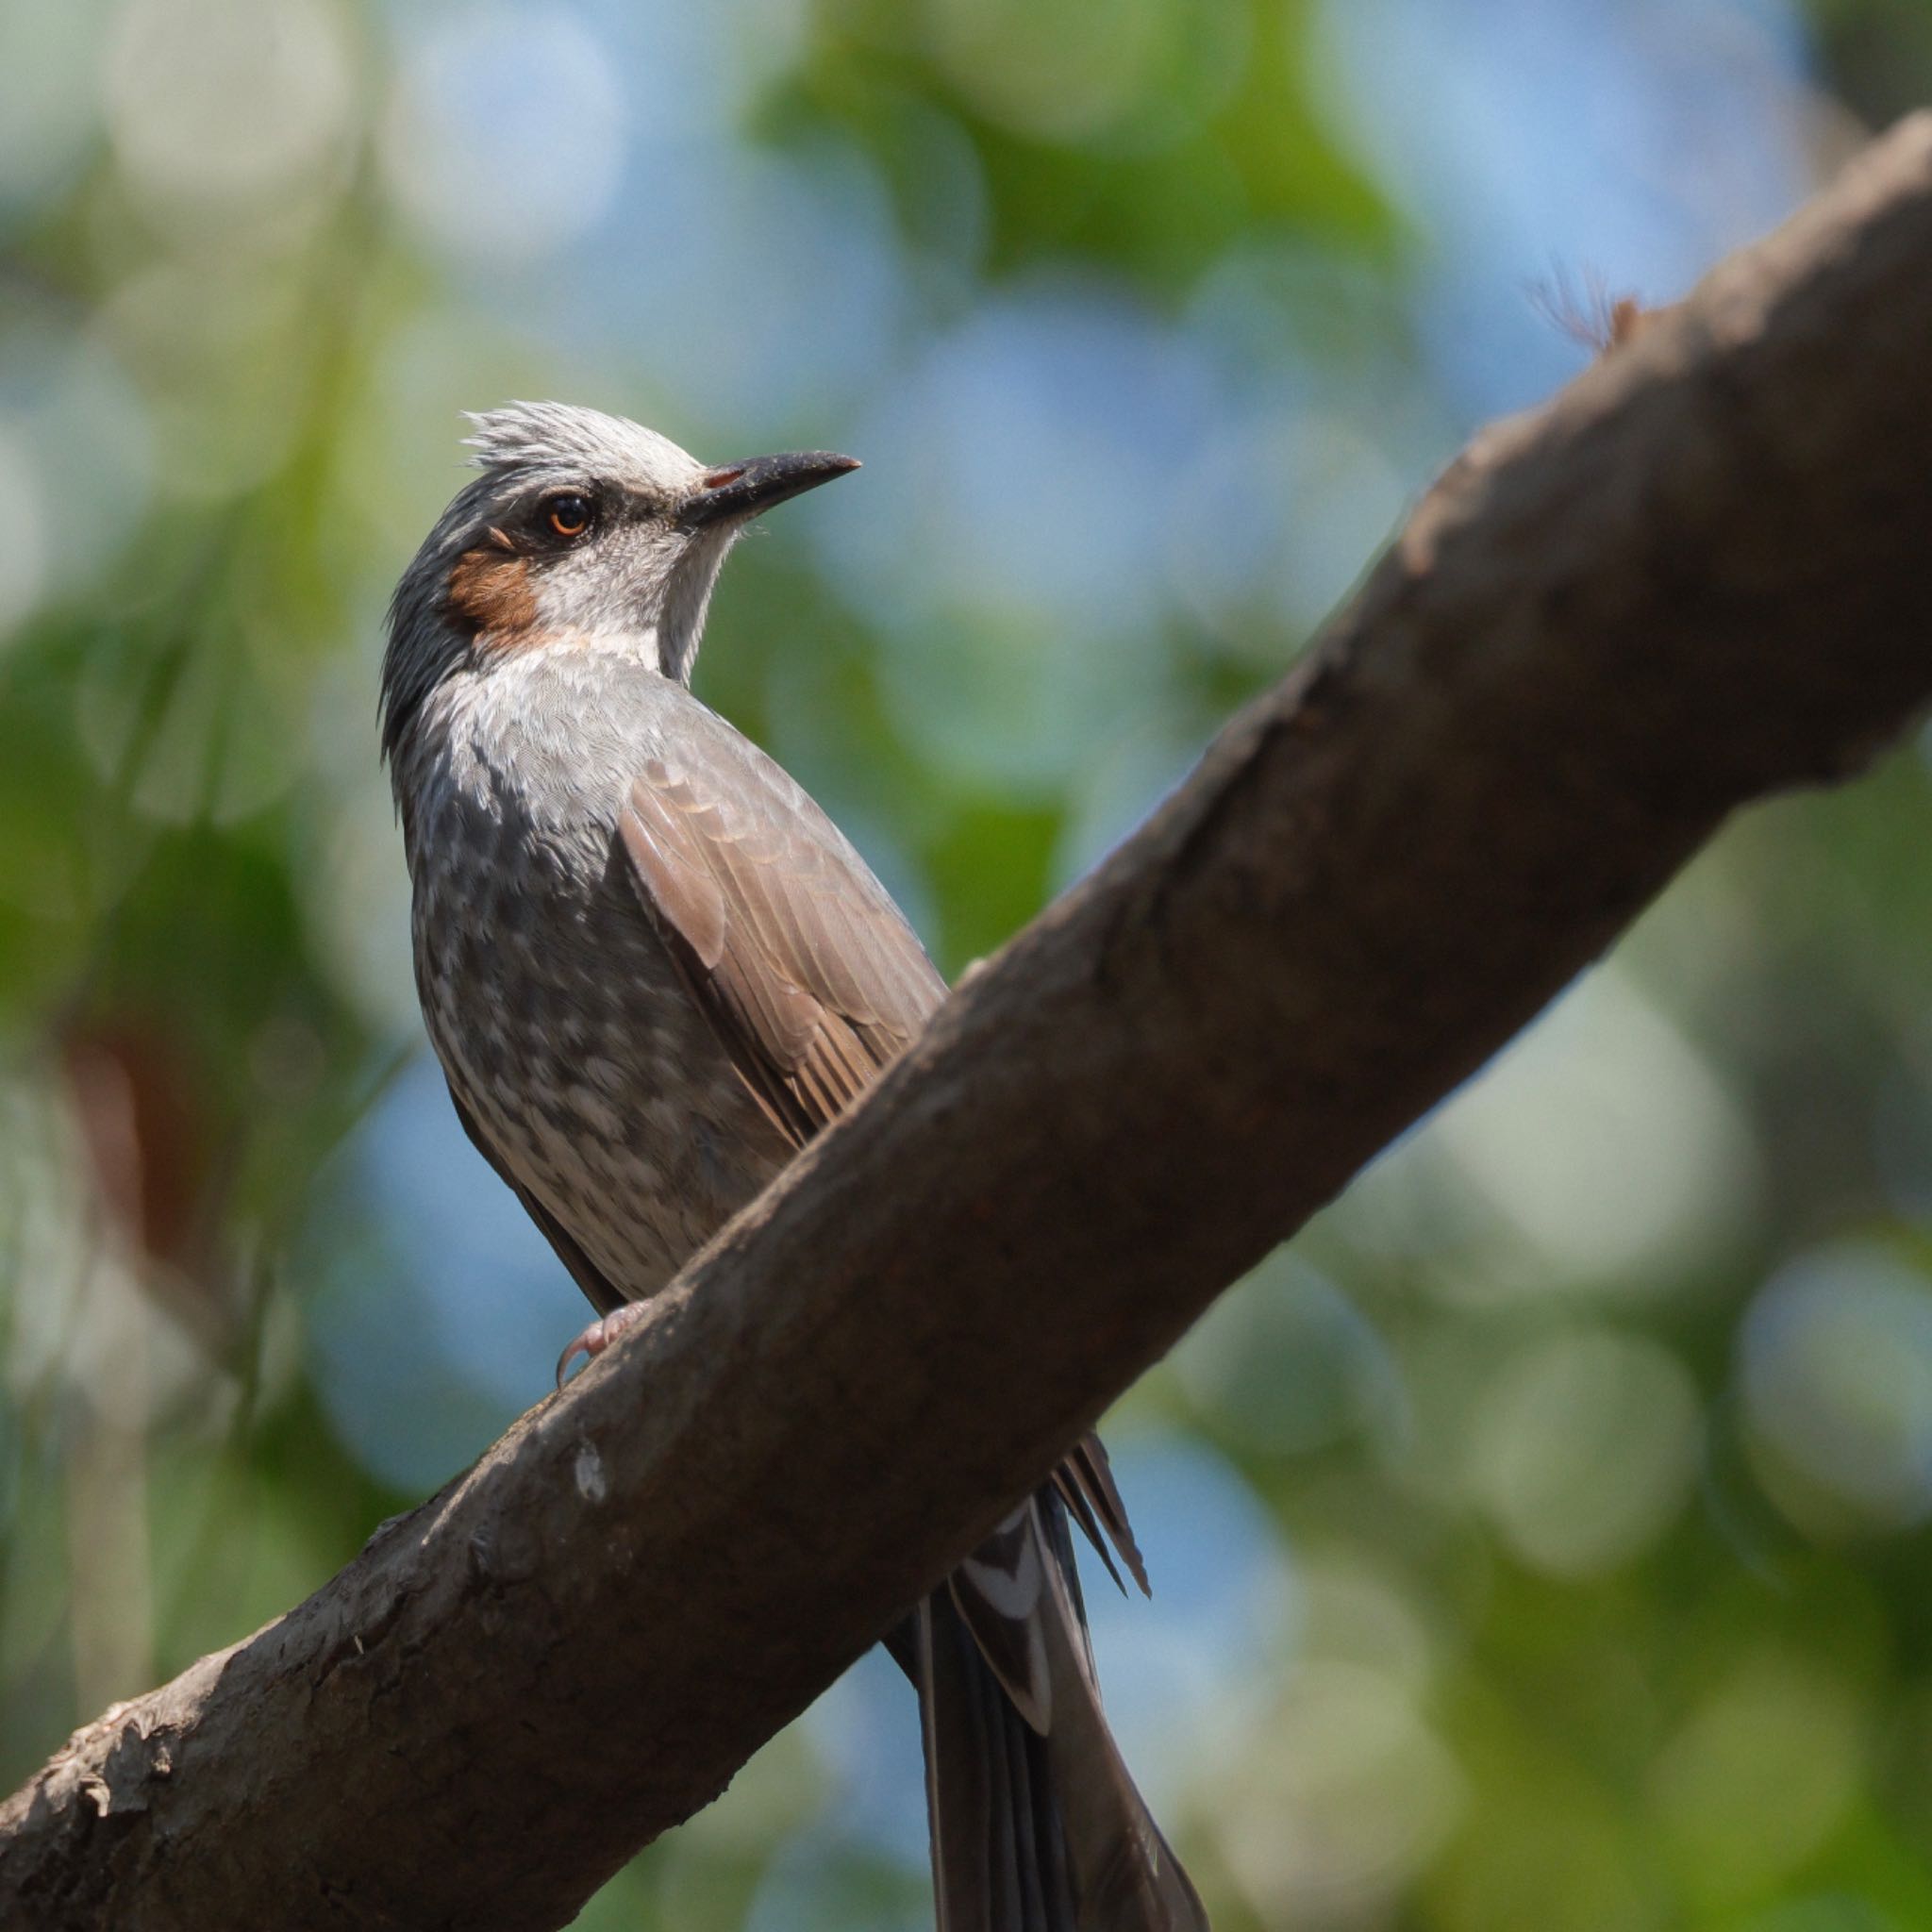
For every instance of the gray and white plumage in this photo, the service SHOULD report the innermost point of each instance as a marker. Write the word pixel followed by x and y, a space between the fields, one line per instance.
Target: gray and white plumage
pixel 653 969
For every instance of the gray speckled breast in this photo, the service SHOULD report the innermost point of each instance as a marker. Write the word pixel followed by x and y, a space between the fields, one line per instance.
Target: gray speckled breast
pixel 557 1015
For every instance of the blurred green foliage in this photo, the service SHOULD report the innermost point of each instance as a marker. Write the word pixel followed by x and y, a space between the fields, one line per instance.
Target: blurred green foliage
pixel 1542 1541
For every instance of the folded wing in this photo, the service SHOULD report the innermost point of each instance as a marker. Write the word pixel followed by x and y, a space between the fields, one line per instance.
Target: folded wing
pixel 815 984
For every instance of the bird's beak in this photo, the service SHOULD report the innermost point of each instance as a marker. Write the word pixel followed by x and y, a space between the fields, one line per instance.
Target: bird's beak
pixel 739 490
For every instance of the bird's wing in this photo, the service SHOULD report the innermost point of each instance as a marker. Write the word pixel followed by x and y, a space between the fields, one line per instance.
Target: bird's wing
pixel 808 972
pixel 815 983
pixel 1086 1486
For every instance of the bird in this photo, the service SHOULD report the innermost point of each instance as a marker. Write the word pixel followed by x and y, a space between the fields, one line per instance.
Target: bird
pixel 652 969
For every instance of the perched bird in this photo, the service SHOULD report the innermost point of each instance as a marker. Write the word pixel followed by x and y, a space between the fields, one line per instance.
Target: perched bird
pixel 653 969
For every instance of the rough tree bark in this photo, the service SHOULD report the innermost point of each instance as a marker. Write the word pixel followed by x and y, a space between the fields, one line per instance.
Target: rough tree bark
pixel 1700 574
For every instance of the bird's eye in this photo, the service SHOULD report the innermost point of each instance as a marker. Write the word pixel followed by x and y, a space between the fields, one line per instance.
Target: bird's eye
pixel 569 515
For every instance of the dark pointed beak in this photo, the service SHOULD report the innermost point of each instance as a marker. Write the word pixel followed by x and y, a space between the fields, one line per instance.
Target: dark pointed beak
pixel 738 491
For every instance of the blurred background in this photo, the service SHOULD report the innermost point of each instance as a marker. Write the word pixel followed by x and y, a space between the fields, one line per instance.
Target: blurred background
pixel 1540 1542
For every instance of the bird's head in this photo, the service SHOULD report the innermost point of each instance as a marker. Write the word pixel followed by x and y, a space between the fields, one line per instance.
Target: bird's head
pixel 582 528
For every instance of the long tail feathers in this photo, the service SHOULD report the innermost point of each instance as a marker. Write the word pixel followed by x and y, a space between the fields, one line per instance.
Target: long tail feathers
pixel 1036 1823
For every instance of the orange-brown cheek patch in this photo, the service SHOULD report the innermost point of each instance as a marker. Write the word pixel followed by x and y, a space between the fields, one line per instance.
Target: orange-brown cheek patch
pixel 490 592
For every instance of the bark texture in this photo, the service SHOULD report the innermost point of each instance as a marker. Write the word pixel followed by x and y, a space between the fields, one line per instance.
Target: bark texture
pixel 1700 574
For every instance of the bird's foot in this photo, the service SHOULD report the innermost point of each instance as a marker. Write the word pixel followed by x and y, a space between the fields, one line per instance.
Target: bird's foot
pixel 598 1337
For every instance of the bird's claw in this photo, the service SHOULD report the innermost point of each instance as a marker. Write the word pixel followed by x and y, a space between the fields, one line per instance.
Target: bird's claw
pixel 598 1337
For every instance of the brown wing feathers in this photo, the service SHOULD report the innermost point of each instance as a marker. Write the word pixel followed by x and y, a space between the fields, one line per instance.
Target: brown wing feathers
pixel 813 978
pixel 816 984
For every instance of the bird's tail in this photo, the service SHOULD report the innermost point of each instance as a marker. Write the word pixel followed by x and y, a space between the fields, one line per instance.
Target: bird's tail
pixel 1036 1824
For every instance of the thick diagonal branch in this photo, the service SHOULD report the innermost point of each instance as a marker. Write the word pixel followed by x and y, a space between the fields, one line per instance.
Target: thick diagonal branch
pixel 1699 575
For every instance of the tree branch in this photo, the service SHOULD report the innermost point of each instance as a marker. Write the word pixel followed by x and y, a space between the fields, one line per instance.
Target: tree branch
pixel 1699 575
